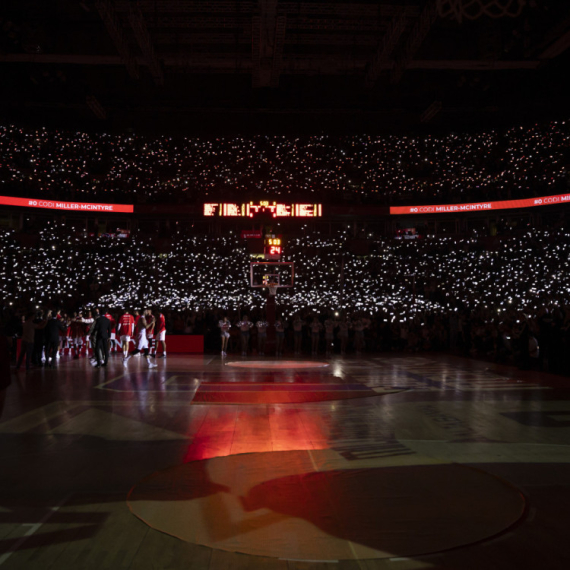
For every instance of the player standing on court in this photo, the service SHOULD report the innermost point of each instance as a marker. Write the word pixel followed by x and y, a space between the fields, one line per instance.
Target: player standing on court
pixel 150 326
pixel 160 334
pixel 125 330
pixel 143 325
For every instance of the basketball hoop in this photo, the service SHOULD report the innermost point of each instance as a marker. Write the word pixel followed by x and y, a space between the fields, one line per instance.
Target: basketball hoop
pixel 272 287
pixel 473 9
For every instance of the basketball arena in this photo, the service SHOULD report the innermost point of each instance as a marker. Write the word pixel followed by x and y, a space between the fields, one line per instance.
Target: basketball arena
pixel 284 285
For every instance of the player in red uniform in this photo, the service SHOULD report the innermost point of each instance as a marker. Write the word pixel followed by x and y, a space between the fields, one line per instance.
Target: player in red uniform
pixel 144 324
pixel 126 329
pixel 87 322
pixel 160 333
pixel 62 333
pixel 77 333
pixel 68 338
pixel 150 328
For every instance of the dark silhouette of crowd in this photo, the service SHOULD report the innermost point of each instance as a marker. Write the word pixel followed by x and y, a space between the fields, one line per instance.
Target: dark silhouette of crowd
pixel 504 298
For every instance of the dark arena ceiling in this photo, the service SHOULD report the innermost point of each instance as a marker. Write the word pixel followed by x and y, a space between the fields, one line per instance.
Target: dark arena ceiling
pixel 220 66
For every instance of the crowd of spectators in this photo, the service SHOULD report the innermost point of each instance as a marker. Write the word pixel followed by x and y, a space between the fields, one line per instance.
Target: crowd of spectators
pixel 481 296
pixel 389 170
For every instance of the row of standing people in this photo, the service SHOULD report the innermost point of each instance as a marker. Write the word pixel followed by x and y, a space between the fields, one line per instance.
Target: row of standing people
pixel 314 327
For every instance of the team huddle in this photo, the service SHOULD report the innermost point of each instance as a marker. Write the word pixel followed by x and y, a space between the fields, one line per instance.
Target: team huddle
pixel 93 333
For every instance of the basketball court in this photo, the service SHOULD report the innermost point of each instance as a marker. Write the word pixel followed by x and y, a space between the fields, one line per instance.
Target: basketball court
pixel 388 461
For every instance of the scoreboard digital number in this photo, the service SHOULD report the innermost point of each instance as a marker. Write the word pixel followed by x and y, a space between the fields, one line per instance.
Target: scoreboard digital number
pixel 273 247
pixel 273 209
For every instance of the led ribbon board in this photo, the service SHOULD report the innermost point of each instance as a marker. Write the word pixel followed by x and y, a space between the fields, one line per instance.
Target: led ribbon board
pixel 481 206
pixel 274 209
pixel 68 206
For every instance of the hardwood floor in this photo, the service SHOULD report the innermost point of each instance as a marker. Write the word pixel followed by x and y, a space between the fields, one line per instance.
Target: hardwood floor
pixel 74 441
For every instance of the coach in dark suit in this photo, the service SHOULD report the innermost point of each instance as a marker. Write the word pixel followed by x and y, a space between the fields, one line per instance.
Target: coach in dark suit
pixel 102 330
pixel 52 329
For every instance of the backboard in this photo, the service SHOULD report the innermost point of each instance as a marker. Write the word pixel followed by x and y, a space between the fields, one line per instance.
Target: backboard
pixel 281 273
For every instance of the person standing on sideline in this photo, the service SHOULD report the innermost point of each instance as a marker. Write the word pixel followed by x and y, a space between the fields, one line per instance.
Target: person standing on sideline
pixel 279 336
pixel 343 326
pixel 102 330
pixel 298 325
pixel 225 327
pixel 261 336
pixel 244 325
pixel 27 346
pixel 54 327
pixel 329 336
pixel 316 328
pixel 39 339
pixel 125 330
pixel 358 326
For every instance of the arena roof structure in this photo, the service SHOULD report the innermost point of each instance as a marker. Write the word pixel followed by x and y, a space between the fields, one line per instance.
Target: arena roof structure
pixel 292 66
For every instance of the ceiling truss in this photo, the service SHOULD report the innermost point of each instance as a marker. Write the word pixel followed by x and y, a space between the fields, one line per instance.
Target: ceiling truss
pixel 282 52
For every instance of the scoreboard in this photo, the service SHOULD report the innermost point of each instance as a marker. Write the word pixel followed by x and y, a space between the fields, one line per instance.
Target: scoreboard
pixel 272 209
pixel 273 247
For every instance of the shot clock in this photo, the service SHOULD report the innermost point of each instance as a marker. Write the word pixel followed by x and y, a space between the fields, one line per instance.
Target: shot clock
pixel 273 247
